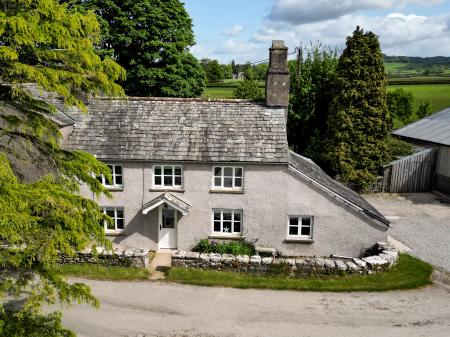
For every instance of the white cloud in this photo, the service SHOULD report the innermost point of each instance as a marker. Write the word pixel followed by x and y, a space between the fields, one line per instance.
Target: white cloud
pixel 399 34
pixel 235 30
pixel 307 11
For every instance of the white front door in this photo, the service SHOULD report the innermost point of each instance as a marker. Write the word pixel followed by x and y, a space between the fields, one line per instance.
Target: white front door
pixel 167 228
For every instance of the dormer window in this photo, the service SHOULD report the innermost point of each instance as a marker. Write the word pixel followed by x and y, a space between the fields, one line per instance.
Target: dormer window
pixel 228 177
pixel 167 176
pixel 116 177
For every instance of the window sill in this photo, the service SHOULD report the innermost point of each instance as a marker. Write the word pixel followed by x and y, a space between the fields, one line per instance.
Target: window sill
pixel 176 190
pixel 226 237
pixel 230 191
pixel 115 233
pixel 114 188
pixel 298 240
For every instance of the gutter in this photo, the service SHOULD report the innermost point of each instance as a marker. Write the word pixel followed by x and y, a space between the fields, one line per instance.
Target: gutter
pixel 363 211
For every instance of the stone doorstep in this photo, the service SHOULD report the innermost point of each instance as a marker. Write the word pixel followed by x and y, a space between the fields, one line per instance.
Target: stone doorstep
pixel 159 265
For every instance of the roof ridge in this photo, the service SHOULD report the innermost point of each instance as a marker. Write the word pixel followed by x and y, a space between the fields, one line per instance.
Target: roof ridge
pixel 176 99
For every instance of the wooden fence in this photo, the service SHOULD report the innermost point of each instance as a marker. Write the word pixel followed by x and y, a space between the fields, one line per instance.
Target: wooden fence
pixel 410 174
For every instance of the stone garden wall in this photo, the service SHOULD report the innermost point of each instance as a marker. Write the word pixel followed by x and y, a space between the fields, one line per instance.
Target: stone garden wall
pixel 116 257
pixel 383 257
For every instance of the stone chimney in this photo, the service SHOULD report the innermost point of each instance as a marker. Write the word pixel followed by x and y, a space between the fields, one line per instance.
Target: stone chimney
pixel 277 81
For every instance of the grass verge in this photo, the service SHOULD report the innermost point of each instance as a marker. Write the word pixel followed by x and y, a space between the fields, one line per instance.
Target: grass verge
pixel 408 273
pixel 99 272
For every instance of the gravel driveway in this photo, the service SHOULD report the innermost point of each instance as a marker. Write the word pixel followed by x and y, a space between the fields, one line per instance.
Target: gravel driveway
pixel 419 220
pixel 155 309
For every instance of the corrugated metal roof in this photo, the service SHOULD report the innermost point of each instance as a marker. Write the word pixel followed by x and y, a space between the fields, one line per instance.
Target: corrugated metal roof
pixel 434 128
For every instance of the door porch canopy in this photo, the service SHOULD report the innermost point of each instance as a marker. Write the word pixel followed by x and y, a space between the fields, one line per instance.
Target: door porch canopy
pixel 171 200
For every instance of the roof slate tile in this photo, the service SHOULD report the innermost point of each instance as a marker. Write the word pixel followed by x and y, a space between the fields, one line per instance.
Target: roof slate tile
pixel 181 130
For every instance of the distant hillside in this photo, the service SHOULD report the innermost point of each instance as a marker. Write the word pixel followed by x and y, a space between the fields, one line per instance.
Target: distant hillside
pixel 414 66
pixel 434 60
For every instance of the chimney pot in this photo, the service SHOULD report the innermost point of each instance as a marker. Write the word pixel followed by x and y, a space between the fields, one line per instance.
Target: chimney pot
pixel 277 80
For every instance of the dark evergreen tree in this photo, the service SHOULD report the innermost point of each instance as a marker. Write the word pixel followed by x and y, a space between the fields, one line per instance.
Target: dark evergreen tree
pixel 151 40
pixel 234 68
pixel 358 120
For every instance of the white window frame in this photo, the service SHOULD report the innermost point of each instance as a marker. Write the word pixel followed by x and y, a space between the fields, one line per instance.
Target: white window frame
pixel 115 218
pixel 233 212
pixel 222 178
pixel 114 176
pixel 162 186
pixel 300 226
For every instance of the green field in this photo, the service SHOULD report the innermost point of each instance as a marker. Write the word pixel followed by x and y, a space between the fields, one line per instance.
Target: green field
pixel 437 94
pixel 219 92
pixel 415 69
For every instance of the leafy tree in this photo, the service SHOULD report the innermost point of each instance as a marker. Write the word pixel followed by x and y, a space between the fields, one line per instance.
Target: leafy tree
pixel 358 120
pixel 400 104
pixel 45 43
pixel 423 110
pixel 310 98
pixel 227 71
pixel 151 40
pixel 249 89
pixel 249 72
pixel 261 71
pixel 213 70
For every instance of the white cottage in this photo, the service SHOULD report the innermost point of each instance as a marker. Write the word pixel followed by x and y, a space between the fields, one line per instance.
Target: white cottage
pixel 188 169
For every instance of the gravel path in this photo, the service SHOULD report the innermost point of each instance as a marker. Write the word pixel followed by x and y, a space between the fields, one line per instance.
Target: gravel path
pixel 419 220
pixel 155 309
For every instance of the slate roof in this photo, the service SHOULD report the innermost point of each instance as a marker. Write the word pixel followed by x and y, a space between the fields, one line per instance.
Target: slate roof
pixel 315 173
pixel 434 128
pixel 175 129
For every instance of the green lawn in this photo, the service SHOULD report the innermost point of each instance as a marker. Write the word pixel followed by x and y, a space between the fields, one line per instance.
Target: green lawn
pixel 219 92
pixel 437 94
pixel 408 273
pixel 99 272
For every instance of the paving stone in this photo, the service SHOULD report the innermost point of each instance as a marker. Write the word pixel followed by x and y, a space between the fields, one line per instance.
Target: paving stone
pixel 267 260
pixel 341 265
pixel 215 257
pixel 329 264
pixel 179 254
pixel 243 258
pixel 205 257
pixel 192 255
pixel 255 259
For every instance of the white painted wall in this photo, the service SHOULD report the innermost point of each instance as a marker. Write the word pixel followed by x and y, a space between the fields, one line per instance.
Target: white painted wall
pixel 272 192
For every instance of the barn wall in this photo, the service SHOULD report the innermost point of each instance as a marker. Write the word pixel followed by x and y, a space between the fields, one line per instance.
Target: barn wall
pixel 442 182
pixel 413 173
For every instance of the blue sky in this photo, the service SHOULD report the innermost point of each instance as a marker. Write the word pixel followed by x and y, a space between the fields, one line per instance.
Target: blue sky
pixel 243 29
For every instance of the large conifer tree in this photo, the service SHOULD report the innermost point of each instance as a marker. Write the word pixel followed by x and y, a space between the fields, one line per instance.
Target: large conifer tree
pixel 358 121
pixel 43 42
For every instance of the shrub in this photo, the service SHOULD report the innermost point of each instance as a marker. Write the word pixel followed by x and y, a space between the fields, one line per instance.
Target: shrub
pixel 233 247
pixel 397 148
pixel 249 89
